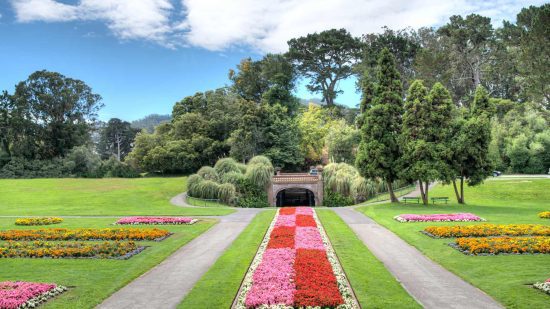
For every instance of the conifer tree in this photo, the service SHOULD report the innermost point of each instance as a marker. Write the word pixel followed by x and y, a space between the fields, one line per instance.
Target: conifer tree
pixel 379 150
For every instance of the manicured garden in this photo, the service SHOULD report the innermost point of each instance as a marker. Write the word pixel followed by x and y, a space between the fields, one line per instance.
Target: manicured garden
pixel 90 256
pixel 96 197
pixel 511 208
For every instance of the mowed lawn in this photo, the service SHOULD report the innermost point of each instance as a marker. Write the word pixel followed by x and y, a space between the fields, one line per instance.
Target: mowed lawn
pixel 96 197
pixel 507 278
pixel 90 281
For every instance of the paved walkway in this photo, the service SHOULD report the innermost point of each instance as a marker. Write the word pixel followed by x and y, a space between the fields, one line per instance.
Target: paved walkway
pixel 430 284
pixel 165 285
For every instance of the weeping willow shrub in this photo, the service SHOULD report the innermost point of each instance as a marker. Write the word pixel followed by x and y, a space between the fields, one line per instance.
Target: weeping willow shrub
pixel 242 167
pixel 227 193
pixel 261 160
pixel 234 178
pixel 192 183
pixel 362 189
pixel 259 174
pixel 208 173
pixel 226 165
pixel 339 177
pixel 207 189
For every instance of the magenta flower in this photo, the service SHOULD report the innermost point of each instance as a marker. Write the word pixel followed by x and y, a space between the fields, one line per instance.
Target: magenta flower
pixel 15 294
pixel 273 280
pixel 308 238
pixel 156 220
pixel 304 211
pixel 285 220
pixel 437 217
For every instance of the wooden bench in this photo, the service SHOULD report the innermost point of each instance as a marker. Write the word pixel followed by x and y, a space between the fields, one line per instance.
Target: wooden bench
pixel 440 199
pixel 410 198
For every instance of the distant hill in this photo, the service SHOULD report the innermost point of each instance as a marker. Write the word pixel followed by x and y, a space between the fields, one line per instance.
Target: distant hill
pixel 150 122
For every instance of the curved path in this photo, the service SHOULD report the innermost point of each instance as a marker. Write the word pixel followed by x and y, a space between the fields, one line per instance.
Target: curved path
pixel 165 285
pixel 428 282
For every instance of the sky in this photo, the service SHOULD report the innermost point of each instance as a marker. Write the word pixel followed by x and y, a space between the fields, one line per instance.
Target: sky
pixel 142 56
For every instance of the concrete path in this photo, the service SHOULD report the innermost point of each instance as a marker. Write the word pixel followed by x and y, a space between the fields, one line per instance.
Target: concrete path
pixel 430 284
pixel 165 285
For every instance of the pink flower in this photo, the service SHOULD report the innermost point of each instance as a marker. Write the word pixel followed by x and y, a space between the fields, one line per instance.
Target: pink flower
pixel 156 220
pixel 273 280
pixel 437 217
pixel 15 294
pixel 304 211
pixel 308 238
pixel 285 220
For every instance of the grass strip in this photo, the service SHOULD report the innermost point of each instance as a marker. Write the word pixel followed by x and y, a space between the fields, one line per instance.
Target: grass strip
pixel 218 287
pixel 374 286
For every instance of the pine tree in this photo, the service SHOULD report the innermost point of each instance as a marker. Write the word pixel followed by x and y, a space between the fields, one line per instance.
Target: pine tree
pixel 470 146
pixel 379 151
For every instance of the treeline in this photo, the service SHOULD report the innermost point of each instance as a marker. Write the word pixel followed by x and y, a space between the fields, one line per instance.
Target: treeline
pixel 50 117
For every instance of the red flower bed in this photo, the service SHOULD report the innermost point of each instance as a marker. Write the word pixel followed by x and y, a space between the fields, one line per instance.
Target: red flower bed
pixel 305 220
pixel 287 211
pixel 282 237
pixel 315 281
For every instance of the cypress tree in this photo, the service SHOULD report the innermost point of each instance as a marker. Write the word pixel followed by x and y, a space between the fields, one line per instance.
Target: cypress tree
pixel 379 151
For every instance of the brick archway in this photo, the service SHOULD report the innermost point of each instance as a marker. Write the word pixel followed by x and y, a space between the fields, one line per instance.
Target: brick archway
pixel 283 181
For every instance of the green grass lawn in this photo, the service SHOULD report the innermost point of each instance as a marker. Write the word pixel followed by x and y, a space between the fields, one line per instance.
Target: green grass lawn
pixel 218 287
pixel 92 280
pixel 204 203
pixel 374 286
pixel 507 278
pixel 96 197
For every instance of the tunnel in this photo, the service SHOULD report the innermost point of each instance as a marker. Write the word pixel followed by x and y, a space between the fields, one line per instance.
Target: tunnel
pixel 295 197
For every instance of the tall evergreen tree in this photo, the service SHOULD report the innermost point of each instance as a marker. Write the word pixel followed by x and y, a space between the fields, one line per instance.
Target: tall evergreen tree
pixel 379 150
pixel 419 149
pixel 470 145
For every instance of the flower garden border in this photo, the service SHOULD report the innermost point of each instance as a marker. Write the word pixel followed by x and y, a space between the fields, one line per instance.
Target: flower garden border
pixel 344 287
pixel 43 297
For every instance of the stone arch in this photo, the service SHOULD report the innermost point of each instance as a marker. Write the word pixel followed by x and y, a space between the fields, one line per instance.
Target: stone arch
pixel 278 197
pixel 296 181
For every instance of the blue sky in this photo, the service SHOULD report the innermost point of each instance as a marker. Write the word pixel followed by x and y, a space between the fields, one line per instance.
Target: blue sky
pixel 144 55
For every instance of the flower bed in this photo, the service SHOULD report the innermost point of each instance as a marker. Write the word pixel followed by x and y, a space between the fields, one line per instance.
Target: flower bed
pixel 156 220
pixel 20 294
pixel 85 234
pixel 295 267
pixel 38 221
pixel 56 250
pixel 545 215
pixel 498 245
pixel 482 230
pixel 438 217
pixel 543 286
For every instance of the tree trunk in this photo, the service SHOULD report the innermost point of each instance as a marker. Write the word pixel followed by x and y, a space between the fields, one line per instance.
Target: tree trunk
pixel 393 198
pixel 458 199
pixel 423 193
pixel 462 191
pixel 426 192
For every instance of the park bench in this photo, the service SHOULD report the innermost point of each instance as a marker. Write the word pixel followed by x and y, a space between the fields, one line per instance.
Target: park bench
pixel 410 198
pixel 440 199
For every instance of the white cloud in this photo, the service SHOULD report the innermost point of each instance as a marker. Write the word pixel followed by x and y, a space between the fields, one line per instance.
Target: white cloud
pixel 127 19
pixel 264 25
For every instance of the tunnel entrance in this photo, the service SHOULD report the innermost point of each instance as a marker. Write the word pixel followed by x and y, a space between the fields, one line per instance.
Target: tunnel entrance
pixel 295 197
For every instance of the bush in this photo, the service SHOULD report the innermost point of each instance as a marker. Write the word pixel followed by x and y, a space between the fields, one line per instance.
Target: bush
pixel 208 173
pixel 242 167
pixel 115 168
pixel 260 160
pixel 234 178
pixel 260 174
pixel 253 201
pixel 207 189
pixel 226 165
pixel 83 162
pixel 362 189
pixel 192 184
pixel 335 199
pixel 22 168
pixel 227 193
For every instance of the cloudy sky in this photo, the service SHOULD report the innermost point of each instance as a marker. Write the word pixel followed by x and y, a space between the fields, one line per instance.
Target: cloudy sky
pixel 143 55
